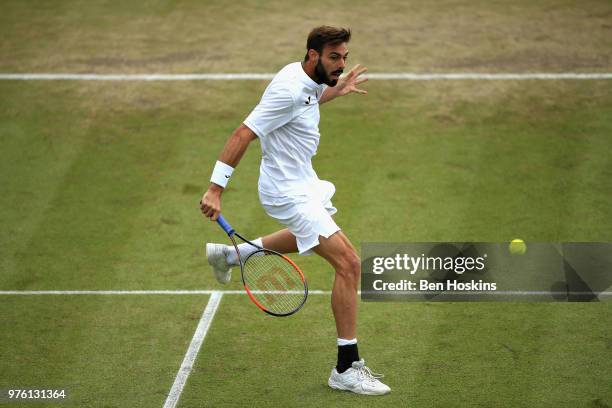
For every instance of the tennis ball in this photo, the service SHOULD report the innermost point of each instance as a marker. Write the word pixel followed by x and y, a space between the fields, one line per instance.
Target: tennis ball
pixel 517 247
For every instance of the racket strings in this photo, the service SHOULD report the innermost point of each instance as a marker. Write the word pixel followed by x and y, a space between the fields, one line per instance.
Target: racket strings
pixel 274 282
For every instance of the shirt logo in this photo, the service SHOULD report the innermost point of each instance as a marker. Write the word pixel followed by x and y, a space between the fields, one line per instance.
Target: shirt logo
pixel 308 101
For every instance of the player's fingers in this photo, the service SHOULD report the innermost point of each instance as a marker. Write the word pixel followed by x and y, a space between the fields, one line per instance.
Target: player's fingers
pixel 361 91
pixel 353 71
pixel 361 80
pixel 205 210
pixel 213 213
pixel 361 70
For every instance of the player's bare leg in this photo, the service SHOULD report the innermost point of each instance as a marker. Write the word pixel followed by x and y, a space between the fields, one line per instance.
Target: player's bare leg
pixel 282 241
pixel 350 373
pixel 341 254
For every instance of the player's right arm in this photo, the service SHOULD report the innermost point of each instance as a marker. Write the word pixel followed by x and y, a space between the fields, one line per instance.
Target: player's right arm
pixel 273 111
pixel 234 149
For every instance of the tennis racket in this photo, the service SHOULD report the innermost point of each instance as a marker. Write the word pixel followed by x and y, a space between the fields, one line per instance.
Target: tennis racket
pixel 273 281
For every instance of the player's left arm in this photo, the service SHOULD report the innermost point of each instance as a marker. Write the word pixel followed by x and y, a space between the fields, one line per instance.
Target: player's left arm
pixel 346 85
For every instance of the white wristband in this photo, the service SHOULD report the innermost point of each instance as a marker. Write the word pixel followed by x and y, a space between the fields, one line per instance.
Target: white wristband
pixel 221 173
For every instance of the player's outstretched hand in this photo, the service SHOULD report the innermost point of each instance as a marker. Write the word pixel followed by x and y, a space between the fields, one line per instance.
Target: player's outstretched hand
pixel 348 83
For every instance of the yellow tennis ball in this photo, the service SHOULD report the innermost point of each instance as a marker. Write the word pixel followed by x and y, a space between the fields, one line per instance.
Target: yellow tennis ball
pixel 517 247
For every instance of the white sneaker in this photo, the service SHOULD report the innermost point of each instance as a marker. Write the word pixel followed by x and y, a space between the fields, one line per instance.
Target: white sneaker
pixel 358 379
pixel 217 258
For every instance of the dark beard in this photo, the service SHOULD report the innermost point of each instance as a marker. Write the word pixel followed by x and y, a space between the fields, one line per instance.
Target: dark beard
pixel 322 77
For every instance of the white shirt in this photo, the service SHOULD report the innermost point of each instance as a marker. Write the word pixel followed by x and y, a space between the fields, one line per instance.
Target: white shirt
pixel 286 120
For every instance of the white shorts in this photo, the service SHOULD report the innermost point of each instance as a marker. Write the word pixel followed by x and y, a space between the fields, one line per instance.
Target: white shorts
pixel 307 213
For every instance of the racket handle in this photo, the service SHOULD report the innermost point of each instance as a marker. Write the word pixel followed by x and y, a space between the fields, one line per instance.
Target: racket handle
pixel 225 225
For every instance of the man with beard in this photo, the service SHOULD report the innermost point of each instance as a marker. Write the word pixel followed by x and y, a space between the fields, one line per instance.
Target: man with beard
pixel 286 121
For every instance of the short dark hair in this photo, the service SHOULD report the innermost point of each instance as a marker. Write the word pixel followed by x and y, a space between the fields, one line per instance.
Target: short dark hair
pixel 323 35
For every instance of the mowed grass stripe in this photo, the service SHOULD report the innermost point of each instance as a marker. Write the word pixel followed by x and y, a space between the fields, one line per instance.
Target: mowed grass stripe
pixel 587 205
pixel 408 76
pixel 410 164
pixel 117 210
pixel 157 36
pixel 119 351
pixel 571 349
pixel 255 359
pixel 142 111
pixel 35 158
pixel 488 354
pixel 126 214
pixel 488 165
pixel 452 354
pixel 539 144
pixel 89 221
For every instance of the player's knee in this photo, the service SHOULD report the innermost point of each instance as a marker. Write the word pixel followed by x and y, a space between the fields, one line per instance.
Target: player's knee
pixel 349 266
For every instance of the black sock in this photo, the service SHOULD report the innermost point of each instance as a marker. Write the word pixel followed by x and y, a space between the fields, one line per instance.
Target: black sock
pixel 346 355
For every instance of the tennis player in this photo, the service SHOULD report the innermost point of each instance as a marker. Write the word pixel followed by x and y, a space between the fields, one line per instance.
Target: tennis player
pixel 286 121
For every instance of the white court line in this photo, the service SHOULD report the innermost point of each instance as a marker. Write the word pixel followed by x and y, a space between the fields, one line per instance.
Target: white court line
pixel 482 292
pixel 194 348
pixel 489 76
pixel 240 292
pixel 144 292
pixel 406 76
